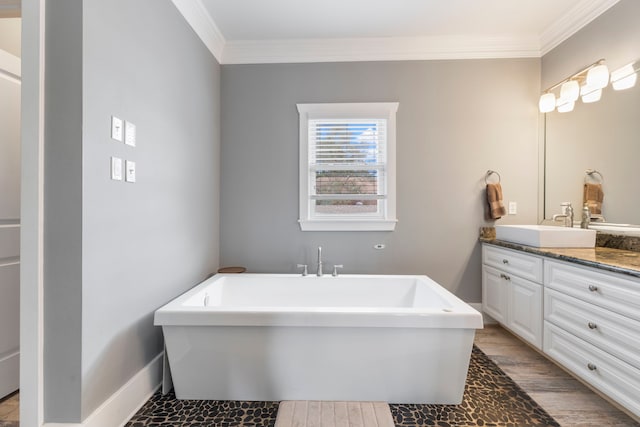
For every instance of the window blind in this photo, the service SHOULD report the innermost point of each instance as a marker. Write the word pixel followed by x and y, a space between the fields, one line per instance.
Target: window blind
pixel 347 159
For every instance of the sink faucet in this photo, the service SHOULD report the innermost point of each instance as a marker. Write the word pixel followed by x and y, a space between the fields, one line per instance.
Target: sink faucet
pixel 567 214
pixel 319 273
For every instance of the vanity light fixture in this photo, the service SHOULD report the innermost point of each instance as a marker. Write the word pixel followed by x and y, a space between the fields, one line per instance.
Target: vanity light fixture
pixel 625 77
pixel 569 91
pixel 598 77
pixel 547 102
pixel 586 83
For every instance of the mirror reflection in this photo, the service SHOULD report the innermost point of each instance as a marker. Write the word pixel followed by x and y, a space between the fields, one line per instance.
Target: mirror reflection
pixel 602 136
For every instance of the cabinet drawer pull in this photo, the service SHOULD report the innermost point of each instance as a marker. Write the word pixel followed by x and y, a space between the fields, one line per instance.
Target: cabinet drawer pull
pixel 593 288
pixel 592 325
pixel 591 366
pixel 505 261
pixel 504 276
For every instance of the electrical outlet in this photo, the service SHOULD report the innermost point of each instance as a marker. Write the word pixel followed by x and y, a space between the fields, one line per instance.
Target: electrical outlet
pixel 513 208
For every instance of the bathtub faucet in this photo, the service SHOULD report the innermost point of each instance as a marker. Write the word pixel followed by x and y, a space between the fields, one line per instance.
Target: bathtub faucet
pixel 304 269
pixel 319 273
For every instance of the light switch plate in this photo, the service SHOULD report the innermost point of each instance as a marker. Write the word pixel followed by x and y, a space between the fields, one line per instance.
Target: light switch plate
pixel 116 128
pixel 130 171
pixel 130 134
pixel 116 168
pixel 513 208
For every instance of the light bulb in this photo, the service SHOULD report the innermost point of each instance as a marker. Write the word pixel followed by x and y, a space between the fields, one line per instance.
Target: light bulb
pixel 624 78
pixel 547 102
pixel 569 91
pixel 598 76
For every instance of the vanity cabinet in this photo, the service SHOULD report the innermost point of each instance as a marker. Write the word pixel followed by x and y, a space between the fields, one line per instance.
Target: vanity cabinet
pixel 592 328
pixel 584 318
pixel 512 291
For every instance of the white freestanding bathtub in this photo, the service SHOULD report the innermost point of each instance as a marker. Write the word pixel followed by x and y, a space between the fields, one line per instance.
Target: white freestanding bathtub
pixel 399 339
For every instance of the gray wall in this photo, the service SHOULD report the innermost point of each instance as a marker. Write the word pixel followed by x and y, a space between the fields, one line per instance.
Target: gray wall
pixel 116 251
pixel 456 119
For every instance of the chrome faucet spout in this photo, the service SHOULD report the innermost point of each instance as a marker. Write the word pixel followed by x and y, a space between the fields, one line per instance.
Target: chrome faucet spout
pixel 319 273
pixel 566 215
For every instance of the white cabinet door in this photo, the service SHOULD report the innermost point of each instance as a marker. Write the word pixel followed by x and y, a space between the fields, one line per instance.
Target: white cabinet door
pixel 525 310
pixel 494 294
pixel 509 295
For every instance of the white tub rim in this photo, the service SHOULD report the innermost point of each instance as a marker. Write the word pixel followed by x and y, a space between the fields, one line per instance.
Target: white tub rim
pixel 457 315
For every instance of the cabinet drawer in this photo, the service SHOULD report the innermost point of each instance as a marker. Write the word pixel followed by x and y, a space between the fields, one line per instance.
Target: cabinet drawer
pixel 611 332
pixel 526 266
pixel 616 379
pixel 608 290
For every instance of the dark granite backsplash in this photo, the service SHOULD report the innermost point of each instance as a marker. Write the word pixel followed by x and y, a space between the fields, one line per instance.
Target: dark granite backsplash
pixel 616 241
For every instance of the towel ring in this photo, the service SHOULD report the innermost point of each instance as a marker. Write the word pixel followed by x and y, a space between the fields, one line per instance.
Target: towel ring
pixel 488 174
pixel 591 173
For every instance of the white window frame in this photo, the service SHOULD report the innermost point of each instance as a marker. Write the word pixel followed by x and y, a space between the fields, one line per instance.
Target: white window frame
pixel 348 222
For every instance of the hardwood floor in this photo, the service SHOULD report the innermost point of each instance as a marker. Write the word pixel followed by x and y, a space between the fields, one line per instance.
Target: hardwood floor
pixel 10 410
pixel 566 399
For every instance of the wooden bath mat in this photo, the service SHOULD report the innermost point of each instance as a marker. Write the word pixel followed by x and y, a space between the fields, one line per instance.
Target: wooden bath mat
pixel 307 413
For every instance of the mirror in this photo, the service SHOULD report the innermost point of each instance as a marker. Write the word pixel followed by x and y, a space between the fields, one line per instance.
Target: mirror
pixel 604 136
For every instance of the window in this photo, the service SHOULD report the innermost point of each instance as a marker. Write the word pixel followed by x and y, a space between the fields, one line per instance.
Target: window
pixel 347 166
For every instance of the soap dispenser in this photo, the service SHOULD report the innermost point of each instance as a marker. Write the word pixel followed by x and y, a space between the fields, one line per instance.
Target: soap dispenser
pixel 586 217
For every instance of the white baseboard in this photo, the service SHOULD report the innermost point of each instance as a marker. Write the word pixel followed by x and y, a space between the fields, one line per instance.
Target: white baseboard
pixel 125 402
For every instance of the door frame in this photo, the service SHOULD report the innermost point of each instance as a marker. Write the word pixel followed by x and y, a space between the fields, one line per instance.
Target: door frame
pixel 32 214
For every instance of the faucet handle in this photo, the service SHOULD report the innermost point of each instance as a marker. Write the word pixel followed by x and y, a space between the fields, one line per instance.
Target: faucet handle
pixel 335 269
pixel 304 269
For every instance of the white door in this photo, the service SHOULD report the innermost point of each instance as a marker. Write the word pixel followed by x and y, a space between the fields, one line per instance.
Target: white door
pixel 9 222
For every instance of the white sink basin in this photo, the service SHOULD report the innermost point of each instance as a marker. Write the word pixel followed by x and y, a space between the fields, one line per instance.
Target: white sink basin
pixel 547 236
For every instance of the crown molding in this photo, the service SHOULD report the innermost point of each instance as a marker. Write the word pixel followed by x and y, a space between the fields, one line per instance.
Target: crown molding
pixel 571 22
pixel 378 49
pixel 196 14
pixel 385 49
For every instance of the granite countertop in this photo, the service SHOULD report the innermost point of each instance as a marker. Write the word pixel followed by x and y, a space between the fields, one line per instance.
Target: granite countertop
pixel 603 258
